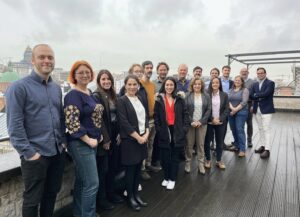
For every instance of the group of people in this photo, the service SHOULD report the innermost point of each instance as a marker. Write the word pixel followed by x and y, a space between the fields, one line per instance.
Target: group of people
pixel 147 126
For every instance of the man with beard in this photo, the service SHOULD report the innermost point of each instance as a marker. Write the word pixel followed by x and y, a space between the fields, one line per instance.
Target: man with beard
pixel 162 70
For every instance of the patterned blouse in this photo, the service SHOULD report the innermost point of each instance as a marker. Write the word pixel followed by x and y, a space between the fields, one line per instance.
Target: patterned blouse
pixel 82 115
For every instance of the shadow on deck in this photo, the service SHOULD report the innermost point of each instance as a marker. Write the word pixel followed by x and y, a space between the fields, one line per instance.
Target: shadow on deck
pixel 248 187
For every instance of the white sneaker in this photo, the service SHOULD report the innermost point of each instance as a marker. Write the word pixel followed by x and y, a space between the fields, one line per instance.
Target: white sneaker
pixel 125 193
pixel 140 187
pixel 171 185
pixel 164 183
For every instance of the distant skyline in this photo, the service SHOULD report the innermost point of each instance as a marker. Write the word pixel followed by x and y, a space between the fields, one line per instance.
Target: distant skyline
pixel 114 34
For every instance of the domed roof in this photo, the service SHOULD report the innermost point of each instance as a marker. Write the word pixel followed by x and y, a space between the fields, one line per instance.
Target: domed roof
pixel 9 77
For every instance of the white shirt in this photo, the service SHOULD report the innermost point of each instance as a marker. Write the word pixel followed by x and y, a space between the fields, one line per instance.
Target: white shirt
pixel 140 112
pixel 197 108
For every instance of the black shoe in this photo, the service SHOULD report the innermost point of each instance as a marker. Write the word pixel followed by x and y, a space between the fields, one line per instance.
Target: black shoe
pixel 133 204
pixel 140 201
pixel 265 154
pixel 260 150
pixel 105 204
pixel 115 198
pixel 145 175
pixel 153 168
pixel 250 145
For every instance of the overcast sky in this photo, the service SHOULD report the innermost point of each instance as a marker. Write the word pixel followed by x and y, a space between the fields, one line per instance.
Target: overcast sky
pixel 114 34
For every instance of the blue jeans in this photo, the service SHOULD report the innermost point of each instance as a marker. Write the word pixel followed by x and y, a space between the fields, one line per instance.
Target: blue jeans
pixel 237 125
pixel 86 179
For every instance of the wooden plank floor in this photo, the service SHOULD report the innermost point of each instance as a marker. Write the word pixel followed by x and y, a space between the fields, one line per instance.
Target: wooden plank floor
pixel 248 187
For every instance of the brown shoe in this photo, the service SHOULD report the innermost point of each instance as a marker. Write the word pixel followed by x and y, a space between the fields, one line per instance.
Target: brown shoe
pixel 207 164
pixel 221 165
pixel 260 150
pixel 265 154
pixel 242 154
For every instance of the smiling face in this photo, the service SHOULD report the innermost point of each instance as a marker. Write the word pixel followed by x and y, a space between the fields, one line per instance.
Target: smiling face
pixel 162 72
pixel 197 73
pixel 197 86
pixel 226 72
pixel 215 84
pixel 169 87
pixel 182 71
pixel 131 87
pixel 238 82
pixel 138 71
pixel 214 74
pixel 105 82
pixel 83 75
pixel 244 73
pixel 261 74
pixel 43 59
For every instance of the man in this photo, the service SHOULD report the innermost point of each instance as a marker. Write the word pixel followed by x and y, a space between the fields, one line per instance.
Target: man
pixel 183 83
pixel 226 85
pixel 150 90
pixel 162 70
pixel 263 108
pixel 36 130
pixel 244 73
pixel 197 71
pixel 214 73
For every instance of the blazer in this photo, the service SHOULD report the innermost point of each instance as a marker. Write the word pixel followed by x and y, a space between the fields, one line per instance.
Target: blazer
pixel 181 124
pixel 263 98
pixel 224 107
pixel 206 107
pixel 131 151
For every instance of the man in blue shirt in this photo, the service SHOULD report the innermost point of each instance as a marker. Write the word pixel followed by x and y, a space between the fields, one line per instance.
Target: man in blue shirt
pixel 36 129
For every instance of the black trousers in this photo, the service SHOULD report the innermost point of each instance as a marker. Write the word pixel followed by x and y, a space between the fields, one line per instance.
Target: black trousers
pixel 218 132
pixel 132 179
pixel 42 180
pixel 102 168
pixel 249 125
pixel 170 158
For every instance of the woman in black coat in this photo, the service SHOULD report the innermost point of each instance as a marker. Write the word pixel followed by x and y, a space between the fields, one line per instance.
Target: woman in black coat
pixel 108 154
pixel 134 132
pixel 217 121
pixel 171 124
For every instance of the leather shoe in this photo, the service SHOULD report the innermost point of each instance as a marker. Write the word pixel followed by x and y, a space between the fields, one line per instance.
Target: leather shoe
pixel 145 175
pixel 115 198
pixel 139 200
pixel 260 150
pixel 133 204
pixel 265 154
pixel 250 145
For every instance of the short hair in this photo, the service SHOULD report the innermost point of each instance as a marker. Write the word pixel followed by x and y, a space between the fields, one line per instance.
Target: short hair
pixel 162 64
pixel 147 62
pixel 38 45
pixel 75 66
pixel 226 67
pixel 130 71
pixel 193 81
pixel 261 68
pixel 163 90
pixel 112 90
pixel 216 69
pixel 196 68
pixel 182 65
pixel 243 81
pixel 210 90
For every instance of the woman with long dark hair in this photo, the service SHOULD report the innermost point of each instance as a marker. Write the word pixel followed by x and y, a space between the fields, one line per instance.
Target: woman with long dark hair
pixel 216 122
pixel 171 124
pixel 134 132
pixel 108 154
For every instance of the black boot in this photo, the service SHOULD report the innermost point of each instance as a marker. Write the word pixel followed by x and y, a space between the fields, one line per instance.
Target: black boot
pixel 140 201
pixel 105 204
pixel 133 204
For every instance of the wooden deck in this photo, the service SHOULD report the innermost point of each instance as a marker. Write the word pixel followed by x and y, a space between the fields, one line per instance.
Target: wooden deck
pixel 248 187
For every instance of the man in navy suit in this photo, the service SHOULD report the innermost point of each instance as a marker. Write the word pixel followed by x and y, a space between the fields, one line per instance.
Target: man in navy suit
pixel 263 108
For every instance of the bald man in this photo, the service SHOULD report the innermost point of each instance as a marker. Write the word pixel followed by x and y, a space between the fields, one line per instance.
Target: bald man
pixel 244 73
pixel 36 130
pixel 183 83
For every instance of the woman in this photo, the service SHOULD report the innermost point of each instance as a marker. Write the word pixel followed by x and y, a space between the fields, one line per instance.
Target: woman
pixel 171 124
pixel 134 132
pixel 199 108
pixel 216 122
pixel 84 131
pixel 238 103
pixel 108 154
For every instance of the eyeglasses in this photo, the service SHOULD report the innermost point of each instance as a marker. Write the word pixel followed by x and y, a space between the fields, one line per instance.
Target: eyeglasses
pixel 81 73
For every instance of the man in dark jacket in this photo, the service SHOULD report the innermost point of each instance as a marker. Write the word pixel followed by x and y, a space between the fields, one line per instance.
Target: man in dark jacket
pixel 263 108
